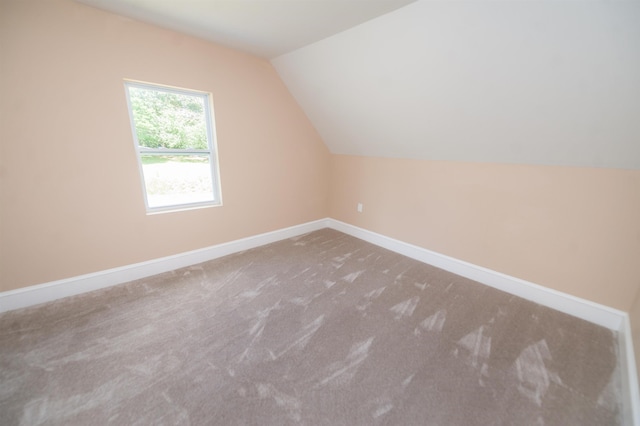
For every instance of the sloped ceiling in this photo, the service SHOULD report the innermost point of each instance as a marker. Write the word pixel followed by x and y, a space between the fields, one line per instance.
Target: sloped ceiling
pixel 555 83
pixel 530 82
pixel 265 28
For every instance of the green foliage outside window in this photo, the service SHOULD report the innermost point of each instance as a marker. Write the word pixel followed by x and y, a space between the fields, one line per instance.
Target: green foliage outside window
pixel 168 120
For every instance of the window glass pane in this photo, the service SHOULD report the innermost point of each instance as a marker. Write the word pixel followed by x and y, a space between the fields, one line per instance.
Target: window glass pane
pixel 177 179
pixel 168 119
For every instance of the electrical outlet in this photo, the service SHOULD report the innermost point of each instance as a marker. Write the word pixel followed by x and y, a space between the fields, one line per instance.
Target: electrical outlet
pixel 359 207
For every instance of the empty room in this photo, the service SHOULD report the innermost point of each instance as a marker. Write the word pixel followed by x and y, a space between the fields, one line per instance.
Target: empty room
pixel 319 212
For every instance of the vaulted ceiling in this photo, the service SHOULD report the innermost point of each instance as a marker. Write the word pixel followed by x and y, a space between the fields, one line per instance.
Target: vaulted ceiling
pixel 542 82
pixel 555 83
pixel 266 28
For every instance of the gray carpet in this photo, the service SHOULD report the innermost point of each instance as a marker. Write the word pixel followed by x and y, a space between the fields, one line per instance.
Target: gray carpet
pixel 322 329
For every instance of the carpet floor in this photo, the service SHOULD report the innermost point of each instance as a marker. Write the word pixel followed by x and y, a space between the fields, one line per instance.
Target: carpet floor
pixel 321 329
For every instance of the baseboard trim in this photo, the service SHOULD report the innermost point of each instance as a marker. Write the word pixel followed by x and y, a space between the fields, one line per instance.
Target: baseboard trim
pixel 629 373
pixel 47 292
pixel 581 308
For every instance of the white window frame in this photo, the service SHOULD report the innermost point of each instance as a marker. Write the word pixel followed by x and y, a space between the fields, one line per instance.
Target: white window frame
pixel 211 151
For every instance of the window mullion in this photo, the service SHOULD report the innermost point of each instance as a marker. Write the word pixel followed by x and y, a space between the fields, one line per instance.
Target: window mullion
pixel 174 151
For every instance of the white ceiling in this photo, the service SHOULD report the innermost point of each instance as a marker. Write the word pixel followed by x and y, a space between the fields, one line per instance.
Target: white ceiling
pixel 266 28
pixel 530 82
pixel 544 82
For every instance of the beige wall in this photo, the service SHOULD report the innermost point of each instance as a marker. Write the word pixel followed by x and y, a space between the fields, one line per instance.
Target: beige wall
pixel 71 200
pixel 576 230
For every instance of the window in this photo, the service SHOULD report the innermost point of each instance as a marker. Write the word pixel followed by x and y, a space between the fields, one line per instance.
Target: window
pixel 173 135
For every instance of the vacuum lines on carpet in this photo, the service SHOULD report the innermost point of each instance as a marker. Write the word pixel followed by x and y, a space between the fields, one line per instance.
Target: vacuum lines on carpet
pixel 321 329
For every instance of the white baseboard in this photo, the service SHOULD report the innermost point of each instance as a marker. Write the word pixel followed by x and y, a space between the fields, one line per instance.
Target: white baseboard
pixel 605 316
pixel 581 308
pixel 629 373
pixel 47 292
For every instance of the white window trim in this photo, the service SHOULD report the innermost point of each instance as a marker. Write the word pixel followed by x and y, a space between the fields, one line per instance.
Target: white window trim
pixel 211 141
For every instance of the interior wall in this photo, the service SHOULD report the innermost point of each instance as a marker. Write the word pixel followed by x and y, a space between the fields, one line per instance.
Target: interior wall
pixel 574 230
pixel 71 198
pixel 71 201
